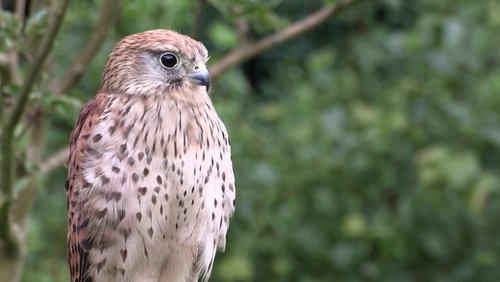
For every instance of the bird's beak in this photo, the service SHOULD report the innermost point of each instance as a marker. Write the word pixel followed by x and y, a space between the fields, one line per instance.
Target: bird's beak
pixel 200 75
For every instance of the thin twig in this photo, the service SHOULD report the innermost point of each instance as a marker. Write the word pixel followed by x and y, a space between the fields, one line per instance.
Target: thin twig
pixel 107 18
pixel 300 27
pixel 7 162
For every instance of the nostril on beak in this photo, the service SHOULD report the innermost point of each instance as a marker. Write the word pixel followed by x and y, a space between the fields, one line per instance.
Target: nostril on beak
pixel 200 76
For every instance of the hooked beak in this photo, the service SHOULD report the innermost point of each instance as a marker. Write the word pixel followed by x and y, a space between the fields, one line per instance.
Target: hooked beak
pixel 200 76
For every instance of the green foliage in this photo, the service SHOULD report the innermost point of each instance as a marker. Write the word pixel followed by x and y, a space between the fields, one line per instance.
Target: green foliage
pixel 366 150
pixel 223 36
pixel 10 24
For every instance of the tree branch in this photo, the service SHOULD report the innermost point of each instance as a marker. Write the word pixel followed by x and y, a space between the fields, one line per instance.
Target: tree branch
pixel 7 150
pixel 20 10
pixel 58 10
pixel 107 18
pixel 300 27
pixel 54 161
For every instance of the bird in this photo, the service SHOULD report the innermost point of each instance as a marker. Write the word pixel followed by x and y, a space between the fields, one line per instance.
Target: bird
pixel 150 187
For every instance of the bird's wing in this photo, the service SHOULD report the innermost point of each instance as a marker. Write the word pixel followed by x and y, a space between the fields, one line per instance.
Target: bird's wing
pixel 77 235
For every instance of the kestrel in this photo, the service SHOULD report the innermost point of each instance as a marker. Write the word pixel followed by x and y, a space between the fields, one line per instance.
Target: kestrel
pixel 150 185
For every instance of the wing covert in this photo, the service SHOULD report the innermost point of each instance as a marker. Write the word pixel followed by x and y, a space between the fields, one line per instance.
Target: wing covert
pixel 85 124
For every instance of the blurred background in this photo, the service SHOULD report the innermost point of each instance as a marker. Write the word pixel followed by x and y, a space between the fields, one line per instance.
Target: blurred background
pixel 365 149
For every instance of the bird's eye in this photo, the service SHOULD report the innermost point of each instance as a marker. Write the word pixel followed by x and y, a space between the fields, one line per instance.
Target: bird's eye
pixel 169 60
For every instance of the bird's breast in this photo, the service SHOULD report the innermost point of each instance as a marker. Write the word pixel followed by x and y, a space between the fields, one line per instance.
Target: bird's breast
pixel 161 181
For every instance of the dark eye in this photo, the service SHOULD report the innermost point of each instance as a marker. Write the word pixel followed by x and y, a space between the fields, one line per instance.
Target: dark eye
pixel 169 60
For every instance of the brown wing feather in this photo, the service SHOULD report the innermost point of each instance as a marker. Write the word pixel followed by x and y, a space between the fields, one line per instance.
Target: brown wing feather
pixel 87 120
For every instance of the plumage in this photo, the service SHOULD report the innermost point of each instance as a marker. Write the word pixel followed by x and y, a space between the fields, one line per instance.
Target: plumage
pixel 150 185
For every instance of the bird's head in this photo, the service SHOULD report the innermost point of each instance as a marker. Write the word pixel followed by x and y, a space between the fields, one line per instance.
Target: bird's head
pixel 157 62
